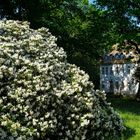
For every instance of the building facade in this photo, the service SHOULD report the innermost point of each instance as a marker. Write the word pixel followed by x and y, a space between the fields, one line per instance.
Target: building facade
pixel 116 73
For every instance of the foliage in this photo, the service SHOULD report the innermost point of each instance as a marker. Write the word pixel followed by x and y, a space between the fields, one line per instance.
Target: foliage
pixel 42 96
pixel 82 29
pixel 130 112
pixel 124 17
pixel 85 30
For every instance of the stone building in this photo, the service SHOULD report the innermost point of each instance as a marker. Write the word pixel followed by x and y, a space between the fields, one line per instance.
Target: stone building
pixel 116 72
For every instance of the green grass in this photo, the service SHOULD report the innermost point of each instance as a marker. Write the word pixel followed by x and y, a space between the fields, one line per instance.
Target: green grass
pixel 129 110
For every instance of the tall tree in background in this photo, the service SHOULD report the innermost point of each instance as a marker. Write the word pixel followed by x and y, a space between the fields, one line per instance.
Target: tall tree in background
pixel 124 16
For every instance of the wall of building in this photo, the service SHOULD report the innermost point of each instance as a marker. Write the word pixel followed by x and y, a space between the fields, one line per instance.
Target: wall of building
pixel 118 78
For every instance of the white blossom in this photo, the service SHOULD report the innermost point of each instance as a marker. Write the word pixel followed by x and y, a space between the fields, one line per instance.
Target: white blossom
pixel 42 94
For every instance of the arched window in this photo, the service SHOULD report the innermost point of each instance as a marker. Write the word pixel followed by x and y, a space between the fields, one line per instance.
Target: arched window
pixel 113 57
pixel 119 56
pixel 122 56
pixel 116 56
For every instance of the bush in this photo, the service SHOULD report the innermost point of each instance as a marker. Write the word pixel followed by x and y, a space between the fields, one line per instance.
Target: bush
pixel 44 97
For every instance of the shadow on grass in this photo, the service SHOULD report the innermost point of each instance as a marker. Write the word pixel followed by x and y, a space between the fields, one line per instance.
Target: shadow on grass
pixel 125 105
pixel 128 133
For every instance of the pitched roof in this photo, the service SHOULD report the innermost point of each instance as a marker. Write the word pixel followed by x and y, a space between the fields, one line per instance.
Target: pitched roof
pixel 122 54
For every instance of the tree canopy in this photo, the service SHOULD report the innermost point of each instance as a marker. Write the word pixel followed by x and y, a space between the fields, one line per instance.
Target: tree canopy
pixel 85 30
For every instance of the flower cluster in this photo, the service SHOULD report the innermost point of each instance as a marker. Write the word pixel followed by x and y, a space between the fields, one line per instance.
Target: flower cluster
pixel 44 97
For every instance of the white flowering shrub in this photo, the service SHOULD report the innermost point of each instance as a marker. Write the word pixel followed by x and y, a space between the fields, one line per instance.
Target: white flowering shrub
pixel 44 97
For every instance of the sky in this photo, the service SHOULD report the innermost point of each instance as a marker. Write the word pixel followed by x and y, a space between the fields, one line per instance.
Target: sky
pixel 91 1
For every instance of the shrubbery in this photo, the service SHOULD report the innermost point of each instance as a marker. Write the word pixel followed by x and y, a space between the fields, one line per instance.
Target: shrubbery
pixel 44 97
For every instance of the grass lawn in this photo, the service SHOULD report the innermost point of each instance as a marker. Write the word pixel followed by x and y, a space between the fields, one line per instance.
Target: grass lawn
pixel 129 110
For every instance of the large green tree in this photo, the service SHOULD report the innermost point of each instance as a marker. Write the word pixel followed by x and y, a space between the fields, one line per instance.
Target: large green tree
pixel 124 16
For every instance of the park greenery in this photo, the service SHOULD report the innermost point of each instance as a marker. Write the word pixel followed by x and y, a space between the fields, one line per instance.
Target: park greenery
pixel 85 30
pixel 130 112
pixel 38 85
pixel 45 97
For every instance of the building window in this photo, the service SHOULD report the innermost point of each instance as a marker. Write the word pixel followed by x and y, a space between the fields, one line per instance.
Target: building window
pixel 128 69
pixel 130 85
pixel 111 86
pixel 132 81
pixel 111 70
pixel 122 56
pixel 111 57
pixel 122 85
pixel 119 56
pixel 117 84
pixel 106 70
pixel 117 70
pixel 122 69
pixel 103 70
pixel 116 56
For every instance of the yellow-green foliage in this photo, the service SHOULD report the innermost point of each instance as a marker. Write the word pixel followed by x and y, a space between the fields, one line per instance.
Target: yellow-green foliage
pixel 130 112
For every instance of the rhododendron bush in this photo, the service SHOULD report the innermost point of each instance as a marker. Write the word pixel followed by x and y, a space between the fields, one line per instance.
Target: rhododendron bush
pixel 42 96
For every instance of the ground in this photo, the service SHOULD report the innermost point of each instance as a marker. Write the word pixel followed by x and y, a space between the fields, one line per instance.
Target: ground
pixel 129 110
